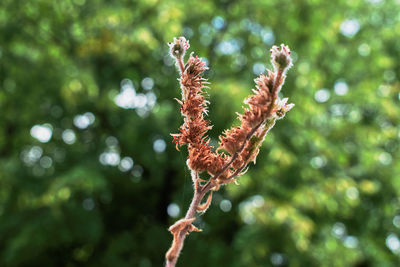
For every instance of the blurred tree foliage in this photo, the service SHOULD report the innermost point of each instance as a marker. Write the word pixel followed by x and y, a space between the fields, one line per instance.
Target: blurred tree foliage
pixel 87 167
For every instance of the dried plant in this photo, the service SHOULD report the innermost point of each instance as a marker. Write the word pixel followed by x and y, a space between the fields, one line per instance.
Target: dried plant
pixel 237 146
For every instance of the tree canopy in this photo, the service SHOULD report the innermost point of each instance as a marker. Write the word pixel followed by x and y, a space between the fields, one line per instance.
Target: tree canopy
pixel 89 175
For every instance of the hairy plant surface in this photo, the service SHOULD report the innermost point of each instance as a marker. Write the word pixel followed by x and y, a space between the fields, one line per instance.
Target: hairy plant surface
pixel 238 146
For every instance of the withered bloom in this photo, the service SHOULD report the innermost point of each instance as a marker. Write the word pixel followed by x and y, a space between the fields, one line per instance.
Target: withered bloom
pixel 193 109
pixel 264 107
pixel 238 146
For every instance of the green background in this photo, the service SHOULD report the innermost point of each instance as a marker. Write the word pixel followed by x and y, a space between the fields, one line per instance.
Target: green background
pixel 87 88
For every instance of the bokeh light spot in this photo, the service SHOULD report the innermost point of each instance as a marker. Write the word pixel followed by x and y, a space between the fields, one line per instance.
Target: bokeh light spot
pixel 173 210
pixel 137 171
pixel 396 221
pixel 125 164
pixel 318 162
pixel 385 158
pixel 84 120
pixel 126 98
pixel 31 155
pixel 68 136
pixel 225 205
pixel 349 27
pixel 339 230
pixel 46 162
pixel 341 87
pixel 147 83
pixel 258 68
pixel 364 49
pixel 352 193
pixel 218 23
pixel 109 158
pixel 322 95
pixel 88 204
pixel 277 259
pixel 350 241
pixel 393 243
pixel 42 133
pixel 159 145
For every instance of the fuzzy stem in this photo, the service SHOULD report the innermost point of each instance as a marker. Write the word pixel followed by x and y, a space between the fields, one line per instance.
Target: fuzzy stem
pixel 180 237
pixel 180 64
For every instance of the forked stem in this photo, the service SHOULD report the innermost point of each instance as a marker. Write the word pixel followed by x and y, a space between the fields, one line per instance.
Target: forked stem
pixel 265 107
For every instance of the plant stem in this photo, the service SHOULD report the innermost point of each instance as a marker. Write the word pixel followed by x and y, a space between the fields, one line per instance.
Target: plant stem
pixel 180 237
pixel 180 64
pixel 200 191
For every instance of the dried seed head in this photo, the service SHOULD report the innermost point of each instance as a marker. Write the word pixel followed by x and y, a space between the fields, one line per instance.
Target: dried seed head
pixel 280 57
pixel 178 47
pixel 233 138
pixel 195 65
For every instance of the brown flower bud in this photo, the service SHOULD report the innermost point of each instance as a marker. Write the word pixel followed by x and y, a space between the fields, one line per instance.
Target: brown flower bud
pixel 280 58
pixel 195 65
pixel 178 47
